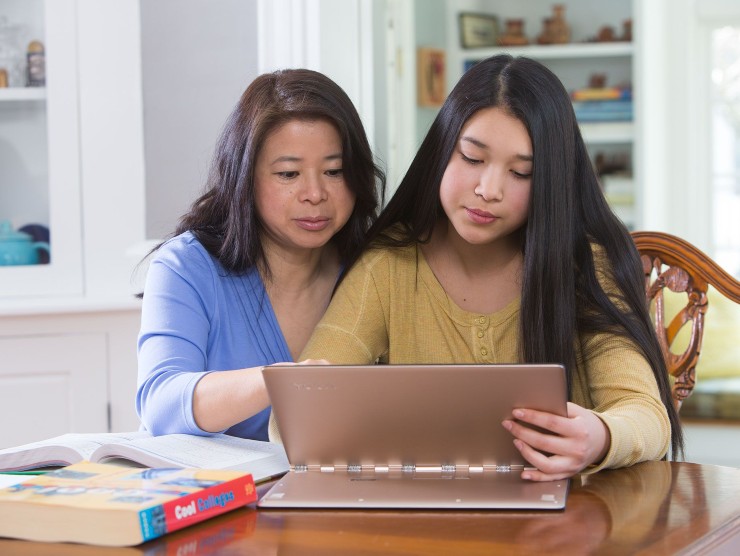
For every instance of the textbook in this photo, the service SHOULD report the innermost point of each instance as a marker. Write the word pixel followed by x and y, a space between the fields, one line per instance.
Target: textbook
pixel 263 460
pixel 114 505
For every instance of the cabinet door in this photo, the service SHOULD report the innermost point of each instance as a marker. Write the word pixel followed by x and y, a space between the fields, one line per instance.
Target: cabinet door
pixel 39 168
pixel 51 385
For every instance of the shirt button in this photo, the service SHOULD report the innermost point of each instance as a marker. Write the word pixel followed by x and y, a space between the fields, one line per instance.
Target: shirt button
pixel 483 351
pixel 480 334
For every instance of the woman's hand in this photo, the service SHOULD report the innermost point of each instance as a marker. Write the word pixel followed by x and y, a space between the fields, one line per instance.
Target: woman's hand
pixel 577 441
pixel 304 362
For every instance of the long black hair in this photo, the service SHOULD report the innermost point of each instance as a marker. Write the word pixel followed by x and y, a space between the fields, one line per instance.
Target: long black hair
pixel 561 295
pixel 224 218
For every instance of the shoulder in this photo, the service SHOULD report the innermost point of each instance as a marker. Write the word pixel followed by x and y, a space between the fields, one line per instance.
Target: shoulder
pixel 393 257
pixel 183 252
pixel 183 260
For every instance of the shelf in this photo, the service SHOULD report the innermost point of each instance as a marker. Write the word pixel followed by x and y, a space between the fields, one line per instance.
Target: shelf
pixel 555 51
pixel 22 93
pixel 607 132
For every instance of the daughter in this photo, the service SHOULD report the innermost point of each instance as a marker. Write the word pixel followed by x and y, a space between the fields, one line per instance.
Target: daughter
pixel 499 247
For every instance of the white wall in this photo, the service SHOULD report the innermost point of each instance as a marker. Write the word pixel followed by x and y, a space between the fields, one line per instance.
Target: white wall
pixel 198 56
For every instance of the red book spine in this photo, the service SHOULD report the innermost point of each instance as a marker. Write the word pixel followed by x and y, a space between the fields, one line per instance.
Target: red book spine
pixel 196 507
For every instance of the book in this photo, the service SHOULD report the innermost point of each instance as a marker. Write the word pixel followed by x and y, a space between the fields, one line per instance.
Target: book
pixel 113 505
pixel 601 93
pixel 263 460
pixel 229 533
pixel 606 110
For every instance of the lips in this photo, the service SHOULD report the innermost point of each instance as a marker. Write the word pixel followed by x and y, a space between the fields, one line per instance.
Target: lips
pixel 313 223
pixel 480 216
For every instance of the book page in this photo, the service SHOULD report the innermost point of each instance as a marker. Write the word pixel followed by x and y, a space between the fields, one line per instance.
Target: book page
pixel 60 450
pixel 262 459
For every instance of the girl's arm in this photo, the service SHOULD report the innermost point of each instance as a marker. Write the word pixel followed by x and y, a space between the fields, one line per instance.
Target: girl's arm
pixel 617 420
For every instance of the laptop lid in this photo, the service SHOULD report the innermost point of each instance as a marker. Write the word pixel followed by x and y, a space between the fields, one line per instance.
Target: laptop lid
pixel 375 425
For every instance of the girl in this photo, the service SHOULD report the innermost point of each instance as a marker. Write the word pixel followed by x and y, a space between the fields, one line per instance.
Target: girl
pixel 253 263
pixel 499 247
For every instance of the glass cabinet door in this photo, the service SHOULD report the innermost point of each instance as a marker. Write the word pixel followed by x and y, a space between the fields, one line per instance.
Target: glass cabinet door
pixel 40 228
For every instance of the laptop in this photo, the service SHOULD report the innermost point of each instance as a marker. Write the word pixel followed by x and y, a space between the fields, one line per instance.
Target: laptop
pixel 409 436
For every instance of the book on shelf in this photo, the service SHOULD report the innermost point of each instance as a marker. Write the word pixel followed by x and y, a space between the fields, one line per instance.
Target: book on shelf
pixel 601 111
pixel 219 451
pixel 113 505
pixel 601 93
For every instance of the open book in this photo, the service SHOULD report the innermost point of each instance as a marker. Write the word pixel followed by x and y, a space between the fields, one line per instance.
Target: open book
pixel 262 459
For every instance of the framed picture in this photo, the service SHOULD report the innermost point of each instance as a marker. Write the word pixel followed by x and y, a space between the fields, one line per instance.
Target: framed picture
pixel 430 76
pixel 478 30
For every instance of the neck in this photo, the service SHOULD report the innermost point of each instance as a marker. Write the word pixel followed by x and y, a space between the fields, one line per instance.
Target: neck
pixel 295 270
pixel 475 259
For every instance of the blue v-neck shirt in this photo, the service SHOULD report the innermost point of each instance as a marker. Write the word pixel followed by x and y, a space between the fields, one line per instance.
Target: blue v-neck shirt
pixel 198 318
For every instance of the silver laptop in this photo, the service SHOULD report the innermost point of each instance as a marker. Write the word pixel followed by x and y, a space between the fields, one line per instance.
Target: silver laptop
pixel 409 436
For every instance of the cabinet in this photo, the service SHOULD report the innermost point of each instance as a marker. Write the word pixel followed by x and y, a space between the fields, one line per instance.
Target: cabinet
pixel 39 149
pixel 612 145
pixel 67 372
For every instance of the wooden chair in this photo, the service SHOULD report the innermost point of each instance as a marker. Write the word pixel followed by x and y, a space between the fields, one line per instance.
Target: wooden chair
pixel 670 262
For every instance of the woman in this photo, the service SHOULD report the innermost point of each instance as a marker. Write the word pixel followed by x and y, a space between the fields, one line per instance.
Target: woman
pixel 251 267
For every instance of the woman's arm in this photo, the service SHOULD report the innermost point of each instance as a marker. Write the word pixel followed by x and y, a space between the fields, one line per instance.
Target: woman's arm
pixel 222 399
pixel 186 333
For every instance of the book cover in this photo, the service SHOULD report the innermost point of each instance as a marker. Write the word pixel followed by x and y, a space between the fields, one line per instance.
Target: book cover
pixel 219 451
pixel 112 505
pixel 602 93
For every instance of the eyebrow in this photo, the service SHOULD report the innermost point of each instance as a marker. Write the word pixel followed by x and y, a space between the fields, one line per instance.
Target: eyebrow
pixel 481 145
pixel 289 158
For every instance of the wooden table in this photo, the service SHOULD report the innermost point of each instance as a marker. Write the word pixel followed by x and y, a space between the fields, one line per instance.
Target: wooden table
pixel 650 508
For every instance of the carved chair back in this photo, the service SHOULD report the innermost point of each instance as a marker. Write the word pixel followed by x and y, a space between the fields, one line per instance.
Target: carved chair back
pixel 671 262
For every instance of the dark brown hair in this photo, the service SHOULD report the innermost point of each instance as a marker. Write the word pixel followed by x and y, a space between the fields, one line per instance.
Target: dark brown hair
pixel 561 295
pixel 224 218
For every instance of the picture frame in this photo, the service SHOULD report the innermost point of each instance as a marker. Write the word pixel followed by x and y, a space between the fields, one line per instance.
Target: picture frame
pixel 478 30
pixel 431 80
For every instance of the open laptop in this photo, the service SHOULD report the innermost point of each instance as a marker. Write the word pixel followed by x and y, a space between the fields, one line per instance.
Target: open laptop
pixel 409 436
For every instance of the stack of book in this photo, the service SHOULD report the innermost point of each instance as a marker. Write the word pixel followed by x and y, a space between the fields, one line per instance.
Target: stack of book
pixel 604 104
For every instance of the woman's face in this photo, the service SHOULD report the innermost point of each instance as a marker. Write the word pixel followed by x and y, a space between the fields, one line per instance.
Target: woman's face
pixel 301 196
pixel 486 187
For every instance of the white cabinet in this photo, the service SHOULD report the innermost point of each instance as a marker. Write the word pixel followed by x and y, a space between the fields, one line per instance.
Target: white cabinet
pixel 614 142
pixel 39 150
pixel 67 372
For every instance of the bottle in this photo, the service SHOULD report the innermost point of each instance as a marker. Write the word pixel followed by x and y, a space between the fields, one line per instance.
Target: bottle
pixel 36 60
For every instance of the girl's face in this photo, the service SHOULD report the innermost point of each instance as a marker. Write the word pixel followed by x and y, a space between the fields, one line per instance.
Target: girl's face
pixel 300 193
pixel 486 187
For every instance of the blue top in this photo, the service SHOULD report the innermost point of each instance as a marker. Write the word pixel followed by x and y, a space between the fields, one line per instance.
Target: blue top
pixel 197 318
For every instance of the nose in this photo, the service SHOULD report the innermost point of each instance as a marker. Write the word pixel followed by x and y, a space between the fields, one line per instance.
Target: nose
pixel 313 189
pixel 490 185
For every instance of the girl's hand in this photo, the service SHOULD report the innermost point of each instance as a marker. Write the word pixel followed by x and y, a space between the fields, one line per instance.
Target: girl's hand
pixel 577 441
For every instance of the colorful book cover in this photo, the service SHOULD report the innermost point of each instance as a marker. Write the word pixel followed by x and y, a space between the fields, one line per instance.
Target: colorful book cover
pixel 602 93
pixel 163 499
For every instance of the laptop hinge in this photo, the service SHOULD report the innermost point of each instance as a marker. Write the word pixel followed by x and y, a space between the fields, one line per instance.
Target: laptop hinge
pixel 445 469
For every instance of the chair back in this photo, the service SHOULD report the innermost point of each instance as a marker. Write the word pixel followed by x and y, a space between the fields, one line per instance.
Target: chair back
pixel 671 262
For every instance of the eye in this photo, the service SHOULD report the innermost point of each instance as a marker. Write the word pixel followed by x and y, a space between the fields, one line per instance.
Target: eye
pixel 522 175
pixel 470 160
pixel 335 173
pixel 287 175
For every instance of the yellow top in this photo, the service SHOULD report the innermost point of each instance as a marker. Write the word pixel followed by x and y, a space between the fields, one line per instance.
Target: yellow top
pixel 391 308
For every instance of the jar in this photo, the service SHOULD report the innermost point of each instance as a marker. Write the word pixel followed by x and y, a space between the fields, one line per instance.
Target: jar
pixel 12 54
